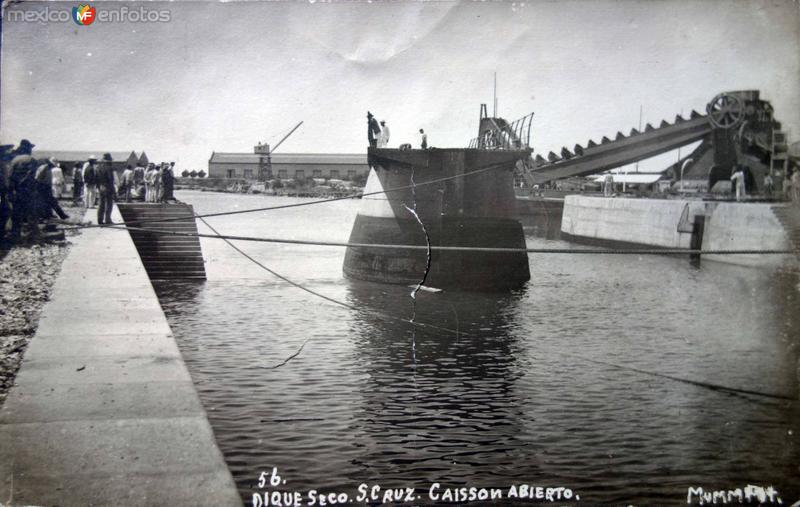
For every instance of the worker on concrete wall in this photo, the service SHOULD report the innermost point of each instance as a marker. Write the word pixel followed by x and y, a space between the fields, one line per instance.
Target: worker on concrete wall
pixel 786 186
pixel 769 185
pixel 608 185
pixel 737 179
pixel 105 190
pixel 423 139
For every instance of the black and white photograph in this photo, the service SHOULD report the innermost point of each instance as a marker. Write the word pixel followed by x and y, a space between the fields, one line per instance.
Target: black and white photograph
pixel 283 253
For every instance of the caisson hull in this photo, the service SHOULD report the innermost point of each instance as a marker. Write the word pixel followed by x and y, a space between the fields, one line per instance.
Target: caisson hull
pixel 473 207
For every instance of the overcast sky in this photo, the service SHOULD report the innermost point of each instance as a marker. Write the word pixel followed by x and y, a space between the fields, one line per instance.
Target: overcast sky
pixel 223 76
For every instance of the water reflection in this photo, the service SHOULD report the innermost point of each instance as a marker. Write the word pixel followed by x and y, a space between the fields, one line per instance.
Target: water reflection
pixel 435 403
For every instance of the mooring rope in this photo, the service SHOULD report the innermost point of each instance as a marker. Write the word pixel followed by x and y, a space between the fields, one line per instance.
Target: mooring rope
pixel 595 251
pixel 706 385
pixel 318 294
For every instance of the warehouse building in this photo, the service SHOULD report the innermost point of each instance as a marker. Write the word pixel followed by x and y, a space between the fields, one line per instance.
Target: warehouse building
pixel 287 165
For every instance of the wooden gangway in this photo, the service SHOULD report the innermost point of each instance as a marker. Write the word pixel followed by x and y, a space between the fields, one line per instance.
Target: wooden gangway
pixel 165 256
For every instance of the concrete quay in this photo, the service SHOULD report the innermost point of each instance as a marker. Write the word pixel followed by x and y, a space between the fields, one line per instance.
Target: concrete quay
pixel 672 223
pixel 104 410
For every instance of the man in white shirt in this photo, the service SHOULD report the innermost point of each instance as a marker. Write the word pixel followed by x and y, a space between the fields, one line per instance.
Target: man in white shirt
pixel 58 180
pixel 423 139
pixel 738 181
pixel 608 185
pixel 383 141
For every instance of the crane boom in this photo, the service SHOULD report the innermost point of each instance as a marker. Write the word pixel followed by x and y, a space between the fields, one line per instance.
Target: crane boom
pixel 286 136
pixel 265 156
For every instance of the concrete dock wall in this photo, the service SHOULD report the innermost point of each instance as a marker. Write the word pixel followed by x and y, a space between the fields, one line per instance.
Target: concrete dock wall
pixel 745 226
pixel 669 224
pixel 104 411
pixel 635 221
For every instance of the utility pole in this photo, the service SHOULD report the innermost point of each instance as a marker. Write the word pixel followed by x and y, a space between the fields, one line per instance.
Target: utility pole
pixel 495 96
pixel 640 129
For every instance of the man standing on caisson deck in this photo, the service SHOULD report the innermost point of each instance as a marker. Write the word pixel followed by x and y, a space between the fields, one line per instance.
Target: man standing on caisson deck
pixel 373 130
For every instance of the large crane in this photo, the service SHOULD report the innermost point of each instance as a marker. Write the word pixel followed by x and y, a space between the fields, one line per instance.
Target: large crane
pixel 738 128
pixel 265 156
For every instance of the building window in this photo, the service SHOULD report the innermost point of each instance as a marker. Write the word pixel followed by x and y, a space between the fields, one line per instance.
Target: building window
pixel 299 174
pixel 231 173
pixel 335 174
pixel 248 173
pixel 317 173
pixel 282 174
pixel 351 173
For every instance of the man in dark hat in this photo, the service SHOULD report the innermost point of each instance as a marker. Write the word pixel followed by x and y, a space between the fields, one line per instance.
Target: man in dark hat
pixel 168 182
pixel 373 130
pixel 105 190
pixel 22 188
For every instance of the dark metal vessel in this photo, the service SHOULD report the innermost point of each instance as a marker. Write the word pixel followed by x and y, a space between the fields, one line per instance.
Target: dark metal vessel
pixel 473 206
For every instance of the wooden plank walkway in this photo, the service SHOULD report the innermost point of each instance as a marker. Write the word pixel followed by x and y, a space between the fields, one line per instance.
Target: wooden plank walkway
pixel 165 257
pixel 104 411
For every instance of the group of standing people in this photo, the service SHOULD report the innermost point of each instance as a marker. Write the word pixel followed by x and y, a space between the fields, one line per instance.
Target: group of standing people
pixel 159 181
pixel 742 182
pixel 155 183
pixel 30 187
pixel 378 134
pixel 27 189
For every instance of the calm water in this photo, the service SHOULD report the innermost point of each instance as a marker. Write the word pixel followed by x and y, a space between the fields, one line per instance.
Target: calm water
pixel 534 387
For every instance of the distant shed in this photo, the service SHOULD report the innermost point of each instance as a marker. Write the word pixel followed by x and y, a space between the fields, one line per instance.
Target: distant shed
pixel 288 165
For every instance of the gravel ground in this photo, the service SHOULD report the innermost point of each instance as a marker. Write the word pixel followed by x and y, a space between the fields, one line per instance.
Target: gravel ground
pixel 27 274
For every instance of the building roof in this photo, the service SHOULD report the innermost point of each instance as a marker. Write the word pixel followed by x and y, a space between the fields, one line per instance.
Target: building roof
pixel 632 178
pixel 118 156
pixel 291 158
